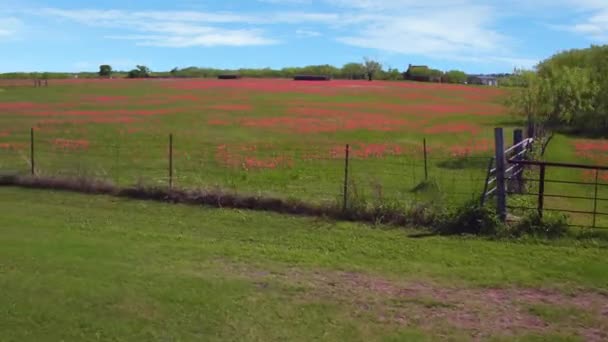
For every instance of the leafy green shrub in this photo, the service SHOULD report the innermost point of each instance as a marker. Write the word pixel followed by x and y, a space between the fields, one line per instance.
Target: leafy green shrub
pixel 472 218
pixel 551 225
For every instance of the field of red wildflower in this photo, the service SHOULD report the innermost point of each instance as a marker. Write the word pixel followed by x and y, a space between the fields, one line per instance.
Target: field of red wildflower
pixel 257 135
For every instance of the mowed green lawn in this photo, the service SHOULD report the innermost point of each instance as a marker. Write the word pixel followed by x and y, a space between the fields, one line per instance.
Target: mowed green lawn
pixel 76 267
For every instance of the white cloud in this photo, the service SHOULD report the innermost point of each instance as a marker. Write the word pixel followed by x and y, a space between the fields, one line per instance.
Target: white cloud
pixel 595 27
pixel 200 37
pixel 447 29
pixel 113 17
pixel 287 2
pixel 9 28
pixel 189 28
pixel 443 29
pixel 420 35
pixel 401 5
pixel 170 29
pixel 307 33
pixel 588 18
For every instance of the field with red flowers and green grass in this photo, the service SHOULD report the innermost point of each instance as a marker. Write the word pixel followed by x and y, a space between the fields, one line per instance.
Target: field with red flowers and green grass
pixel 81 267
pixel 276 138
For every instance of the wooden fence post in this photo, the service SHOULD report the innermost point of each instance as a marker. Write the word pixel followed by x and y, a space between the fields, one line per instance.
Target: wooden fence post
pixel 501 199
pixel 345 192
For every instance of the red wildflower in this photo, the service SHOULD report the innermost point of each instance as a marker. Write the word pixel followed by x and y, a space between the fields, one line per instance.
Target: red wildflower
pixel 68 144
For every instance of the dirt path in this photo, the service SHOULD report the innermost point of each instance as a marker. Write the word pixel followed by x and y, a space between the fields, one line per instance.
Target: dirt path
pixel 480 313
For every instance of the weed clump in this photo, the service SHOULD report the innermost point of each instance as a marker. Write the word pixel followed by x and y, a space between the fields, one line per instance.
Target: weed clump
pixel 550 225
pixel 471 218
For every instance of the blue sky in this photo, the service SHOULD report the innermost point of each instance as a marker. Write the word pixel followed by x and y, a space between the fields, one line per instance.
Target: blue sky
pixel 478 36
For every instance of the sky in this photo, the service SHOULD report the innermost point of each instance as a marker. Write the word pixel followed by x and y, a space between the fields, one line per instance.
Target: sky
pixel 477 36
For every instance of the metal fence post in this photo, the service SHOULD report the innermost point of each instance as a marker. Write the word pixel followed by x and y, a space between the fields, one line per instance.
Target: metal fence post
pixel 426 168
pixel 501 199
pixel 541 190
pixel 170 161
pixel 345 192
pixel 32 161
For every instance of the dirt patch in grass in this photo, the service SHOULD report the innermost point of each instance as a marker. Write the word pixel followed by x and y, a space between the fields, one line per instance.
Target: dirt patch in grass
pixel 480 312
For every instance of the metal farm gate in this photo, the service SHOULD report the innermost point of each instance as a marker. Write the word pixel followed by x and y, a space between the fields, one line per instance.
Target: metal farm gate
pixel 519 184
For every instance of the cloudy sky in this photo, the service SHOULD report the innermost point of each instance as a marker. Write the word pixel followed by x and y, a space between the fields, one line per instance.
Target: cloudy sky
pixel 472 35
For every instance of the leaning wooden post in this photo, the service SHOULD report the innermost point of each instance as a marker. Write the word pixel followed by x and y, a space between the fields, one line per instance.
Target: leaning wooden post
pixel 501 196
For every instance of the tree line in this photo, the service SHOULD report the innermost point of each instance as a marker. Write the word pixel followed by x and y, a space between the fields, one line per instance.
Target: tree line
pixel 568 91
pixel 369 69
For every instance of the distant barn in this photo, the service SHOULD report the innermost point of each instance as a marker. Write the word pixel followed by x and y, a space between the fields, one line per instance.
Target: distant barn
pixel 229 77
pixel 311 78
pixel 490 81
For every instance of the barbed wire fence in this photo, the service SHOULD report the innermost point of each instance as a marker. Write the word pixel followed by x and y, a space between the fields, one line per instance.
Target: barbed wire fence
pixel 345 174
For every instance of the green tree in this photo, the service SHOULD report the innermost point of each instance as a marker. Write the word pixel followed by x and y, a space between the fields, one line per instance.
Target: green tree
pixel 424 73
pixel 372 67
pixel 105 70
pixel 141 71
pixel 567 91
pixel 532 101
pixel 392 74
pixel 455 76
pixel 353 71
pixel 516 79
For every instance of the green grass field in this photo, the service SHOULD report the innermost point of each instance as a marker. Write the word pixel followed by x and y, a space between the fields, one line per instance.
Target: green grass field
pixel 78 267
pixel 274 138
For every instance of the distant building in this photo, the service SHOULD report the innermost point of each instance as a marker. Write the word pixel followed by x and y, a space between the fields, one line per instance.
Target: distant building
pixel 490 81
pixel 422 73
